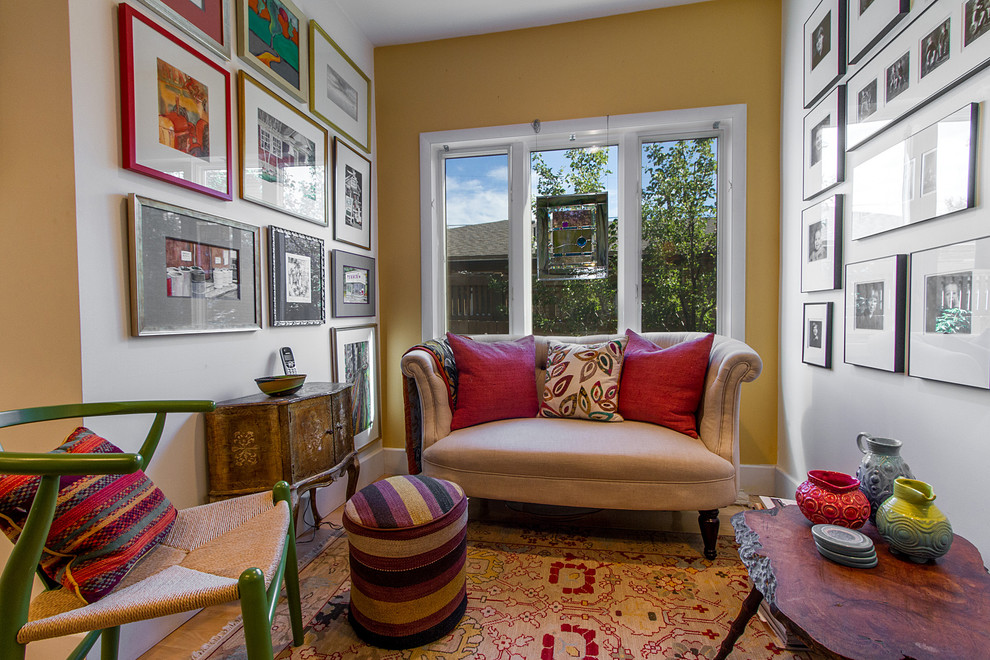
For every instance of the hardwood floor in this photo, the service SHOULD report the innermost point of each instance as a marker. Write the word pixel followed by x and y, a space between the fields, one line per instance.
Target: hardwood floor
pixel 196 632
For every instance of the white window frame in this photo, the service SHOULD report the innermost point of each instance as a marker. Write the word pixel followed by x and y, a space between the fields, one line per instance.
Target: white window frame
pixel 728 123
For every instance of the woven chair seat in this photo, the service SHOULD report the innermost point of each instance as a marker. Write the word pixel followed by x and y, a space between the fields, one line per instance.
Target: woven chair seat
pixel 197 565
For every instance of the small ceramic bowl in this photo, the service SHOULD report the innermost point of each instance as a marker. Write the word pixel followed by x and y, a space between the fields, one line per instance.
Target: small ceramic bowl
pixel 281 385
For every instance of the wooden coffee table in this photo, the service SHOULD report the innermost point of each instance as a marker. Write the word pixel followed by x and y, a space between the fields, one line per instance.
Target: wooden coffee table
pixel 897 610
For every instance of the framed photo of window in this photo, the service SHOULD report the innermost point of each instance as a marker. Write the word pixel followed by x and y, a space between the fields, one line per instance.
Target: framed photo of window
pixel 353 285
pixel 340 92
pixel 821 245
pixel 950 314
pixel 817 344
pixel 191 272
pixel 283 154
pixel 870 21
pixel 272 38
pixel 943 44
pixel 825 143
pixel 929 175
pixel 875 313
pixel 355 361
pixel 175 109
pixel 206 21
pixel 351 196
pixel 824 49
pixel 295 264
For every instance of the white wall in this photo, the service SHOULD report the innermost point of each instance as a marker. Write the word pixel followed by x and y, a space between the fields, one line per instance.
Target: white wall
pixel 943 426
pixel 117 366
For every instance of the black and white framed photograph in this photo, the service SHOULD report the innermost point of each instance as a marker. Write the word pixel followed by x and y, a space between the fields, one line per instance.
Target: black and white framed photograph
pixel 824 49
pixel 284 154
pixel 816 348
pixel 353 284
pixel 821 245
pixel 295 264
pixel 355 361
pixel 351 196
pixel 943 44
pixel 340 92
pixel 875 313
pixel 824 143
pixel 870 21
pixel 191 272
pixel 929 175
pixel 950 314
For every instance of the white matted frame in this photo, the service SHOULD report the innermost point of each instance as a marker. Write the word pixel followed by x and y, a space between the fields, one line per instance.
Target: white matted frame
pixel 175 109
pixel 340 92
pixel 816 348
pixel 824 49
pixel 355 361
pixel 870 21
pixel 206 21
pixel 283 154
pixel 875 313
pixel 821 245
pixel 351 196
pixel 950 313
pixel 928 175
pixel 276 48
pixel 936 61
pixel 824 143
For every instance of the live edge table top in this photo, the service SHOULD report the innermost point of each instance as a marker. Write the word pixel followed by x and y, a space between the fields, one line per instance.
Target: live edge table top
pixel 899 609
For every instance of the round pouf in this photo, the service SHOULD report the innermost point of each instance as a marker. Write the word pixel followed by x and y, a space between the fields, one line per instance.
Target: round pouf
pixel 408 545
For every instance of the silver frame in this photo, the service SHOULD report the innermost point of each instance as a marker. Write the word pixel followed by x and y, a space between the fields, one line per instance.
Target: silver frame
pixel 223 50
pixel 143 278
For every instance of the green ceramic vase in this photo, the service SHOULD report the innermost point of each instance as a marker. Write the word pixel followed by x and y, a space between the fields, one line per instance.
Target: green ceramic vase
pixel 912 524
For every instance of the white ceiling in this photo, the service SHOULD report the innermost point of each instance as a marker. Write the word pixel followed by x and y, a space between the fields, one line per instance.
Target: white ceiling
pixel 389 22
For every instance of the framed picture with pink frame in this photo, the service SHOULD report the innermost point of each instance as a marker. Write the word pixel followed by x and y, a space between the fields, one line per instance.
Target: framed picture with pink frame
pixel 176 119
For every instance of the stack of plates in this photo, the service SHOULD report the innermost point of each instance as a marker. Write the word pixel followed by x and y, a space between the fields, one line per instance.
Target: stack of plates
pixel 845 546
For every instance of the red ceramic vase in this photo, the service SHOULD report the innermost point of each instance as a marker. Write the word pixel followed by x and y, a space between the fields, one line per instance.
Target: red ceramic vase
pixel 833 498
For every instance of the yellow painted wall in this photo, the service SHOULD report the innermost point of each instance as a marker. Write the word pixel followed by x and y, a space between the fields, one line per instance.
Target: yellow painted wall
pixel 706 54
pixel 40 351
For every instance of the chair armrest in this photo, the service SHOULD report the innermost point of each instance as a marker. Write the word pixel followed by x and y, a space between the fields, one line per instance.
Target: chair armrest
pixel 69 464
pixel 731 364
pixel 434 401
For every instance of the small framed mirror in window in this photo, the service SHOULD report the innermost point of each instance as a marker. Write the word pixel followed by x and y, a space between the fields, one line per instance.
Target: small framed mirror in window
pixel 571 239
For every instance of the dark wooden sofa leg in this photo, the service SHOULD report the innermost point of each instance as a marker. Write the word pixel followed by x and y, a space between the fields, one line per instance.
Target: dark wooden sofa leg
pixel 708 520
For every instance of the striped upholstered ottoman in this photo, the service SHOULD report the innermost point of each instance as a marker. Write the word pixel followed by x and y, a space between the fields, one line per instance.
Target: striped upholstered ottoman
pixel 408 544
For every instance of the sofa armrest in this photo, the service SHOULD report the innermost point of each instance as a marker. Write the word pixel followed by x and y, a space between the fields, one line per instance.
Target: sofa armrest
pixel 435 410
pixel 732 363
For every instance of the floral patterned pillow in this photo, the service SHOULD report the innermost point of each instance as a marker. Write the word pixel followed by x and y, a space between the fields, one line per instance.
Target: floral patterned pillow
pixel 582 381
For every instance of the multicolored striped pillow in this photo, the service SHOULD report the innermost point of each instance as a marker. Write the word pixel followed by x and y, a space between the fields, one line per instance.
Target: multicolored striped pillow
pixel 403 502
pixel 103 524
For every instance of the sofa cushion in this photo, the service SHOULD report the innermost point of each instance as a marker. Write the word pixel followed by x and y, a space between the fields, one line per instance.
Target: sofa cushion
pixel 556 449
pixel 664 385
pixel 103 523
pixel 582 381
pixel 494 380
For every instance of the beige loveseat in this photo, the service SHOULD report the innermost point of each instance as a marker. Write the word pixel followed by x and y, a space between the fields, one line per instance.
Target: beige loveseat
pixel 620 465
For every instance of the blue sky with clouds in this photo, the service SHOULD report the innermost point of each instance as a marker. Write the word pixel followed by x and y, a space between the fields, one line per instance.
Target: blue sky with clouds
pixel 478 187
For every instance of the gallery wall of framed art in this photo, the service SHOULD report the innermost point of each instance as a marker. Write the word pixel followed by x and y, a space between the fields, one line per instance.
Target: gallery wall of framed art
pixel 891 179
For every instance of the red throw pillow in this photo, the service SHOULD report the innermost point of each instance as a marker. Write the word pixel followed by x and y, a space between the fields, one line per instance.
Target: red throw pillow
pixel 495 380
pixel 663 385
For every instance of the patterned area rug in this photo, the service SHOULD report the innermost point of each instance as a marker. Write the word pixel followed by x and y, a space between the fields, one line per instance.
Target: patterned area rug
pixel 548 593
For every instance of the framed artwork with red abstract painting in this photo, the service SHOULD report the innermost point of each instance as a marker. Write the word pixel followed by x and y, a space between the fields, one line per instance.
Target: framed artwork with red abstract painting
pixel 175 109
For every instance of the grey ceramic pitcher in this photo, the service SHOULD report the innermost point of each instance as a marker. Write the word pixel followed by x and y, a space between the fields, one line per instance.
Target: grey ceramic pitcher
pixel 881 464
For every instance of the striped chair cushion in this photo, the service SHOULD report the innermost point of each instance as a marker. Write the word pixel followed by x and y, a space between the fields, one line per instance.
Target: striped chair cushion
pixel 407 539
pixel 103 524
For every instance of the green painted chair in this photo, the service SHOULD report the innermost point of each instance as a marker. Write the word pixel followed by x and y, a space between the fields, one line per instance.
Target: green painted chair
pixel 215 553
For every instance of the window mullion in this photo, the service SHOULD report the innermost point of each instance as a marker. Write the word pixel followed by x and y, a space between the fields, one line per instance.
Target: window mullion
pixel 630 218
pixel 520 262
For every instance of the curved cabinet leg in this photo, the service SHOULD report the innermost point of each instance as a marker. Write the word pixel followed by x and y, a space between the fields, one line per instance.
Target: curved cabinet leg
pixel 353 471
pixel 708 520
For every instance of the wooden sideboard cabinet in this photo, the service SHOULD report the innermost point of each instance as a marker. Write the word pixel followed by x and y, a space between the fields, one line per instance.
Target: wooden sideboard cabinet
pixel 305 439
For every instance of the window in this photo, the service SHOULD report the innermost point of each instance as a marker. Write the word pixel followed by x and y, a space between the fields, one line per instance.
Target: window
pixel 673 184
